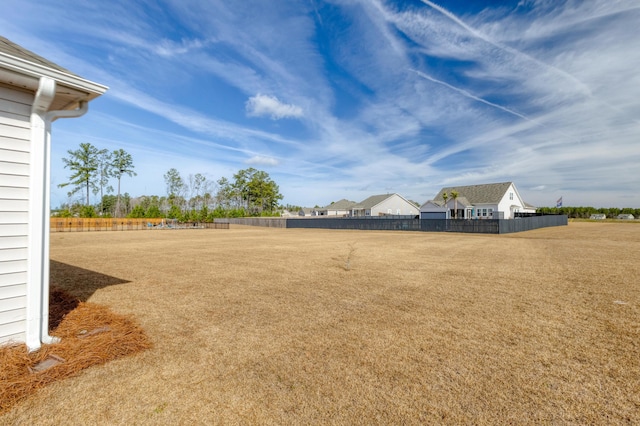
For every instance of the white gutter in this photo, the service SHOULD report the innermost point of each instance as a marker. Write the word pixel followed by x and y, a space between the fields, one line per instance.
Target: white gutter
pixel 23 67
pixel 37 331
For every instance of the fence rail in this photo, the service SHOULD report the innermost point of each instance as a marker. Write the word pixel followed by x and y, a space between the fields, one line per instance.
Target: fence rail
pixel 74 224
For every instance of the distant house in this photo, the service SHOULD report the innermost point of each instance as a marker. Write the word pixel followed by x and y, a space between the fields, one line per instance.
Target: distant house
pixel 598 216
pixel 34 92
pixel 340 208
pixel 487 201
pixel 625 217
pixel 385 205
pixel 307 212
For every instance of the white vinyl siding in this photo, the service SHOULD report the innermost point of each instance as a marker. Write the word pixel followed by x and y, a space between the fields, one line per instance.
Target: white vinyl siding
pixel 510 203
pixel 394 203
pixel 15 134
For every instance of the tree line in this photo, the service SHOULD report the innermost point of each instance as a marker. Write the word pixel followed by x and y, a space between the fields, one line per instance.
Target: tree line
pixel 586 212
pixel 249 192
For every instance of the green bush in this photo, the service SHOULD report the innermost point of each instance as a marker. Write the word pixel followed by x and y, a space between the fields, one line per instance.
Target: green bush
pixel 88 211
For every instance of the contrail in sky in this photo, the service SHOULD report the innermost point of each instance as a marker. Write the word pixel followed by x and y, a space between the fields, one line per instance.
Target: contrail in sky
pixel 583 87
pixel 471 96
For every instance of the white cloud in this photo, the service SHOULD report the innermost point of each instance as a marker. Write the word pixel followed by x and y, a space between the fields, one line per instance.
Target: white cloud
pixel 261 160
pixel 265 105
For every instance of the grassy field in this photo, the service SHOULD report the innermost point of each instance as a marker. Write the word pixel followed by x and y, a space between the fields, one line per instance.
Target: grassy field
pixel 277 326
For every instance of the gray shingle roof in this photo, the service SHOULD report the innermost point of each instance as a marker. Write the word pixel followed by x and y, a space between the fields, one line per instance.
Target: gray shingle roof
pixel 490 193
pixel 343 204
pixel 372 201
pixel 463 201
pixel 10 48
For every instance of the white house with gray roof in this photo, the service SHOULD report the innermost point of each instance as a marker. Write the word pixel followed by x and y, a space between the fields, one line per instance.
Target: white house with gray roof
pixel 385 205
pixel 487 201
pixel 340 208
pixel 307 211
pixel 34 92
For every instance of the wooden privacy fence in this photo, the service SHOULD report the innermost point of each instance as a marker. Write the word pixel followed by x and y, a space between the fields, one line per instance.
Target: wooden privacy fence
pixel 74 224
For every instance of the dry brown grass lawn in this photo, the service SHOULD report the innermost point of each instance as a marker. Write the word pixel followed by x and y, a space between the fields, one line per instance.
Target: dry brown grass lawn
pixel 270 326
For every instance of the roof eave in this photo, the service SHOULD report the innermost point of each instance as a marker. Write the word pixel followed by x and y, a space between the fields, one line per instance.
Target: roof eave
pixel 27 74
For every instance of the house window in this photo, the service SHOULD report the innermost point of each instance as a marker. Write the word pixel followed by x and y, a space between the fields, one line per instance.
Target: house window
pixel 484 212
pixel 511 195
pixel 491 212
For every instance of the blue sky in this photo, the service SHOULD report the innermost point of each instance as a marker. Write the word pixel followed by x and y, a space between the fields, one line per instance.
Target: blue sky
pixel 347 99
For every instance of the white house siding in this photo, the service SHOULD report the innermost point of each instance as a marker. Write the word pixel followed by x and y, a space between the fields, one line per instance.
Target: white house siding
pixel 506 203
pixel 395 205
pixel 338 212
pixel 15 131
pixel 491 211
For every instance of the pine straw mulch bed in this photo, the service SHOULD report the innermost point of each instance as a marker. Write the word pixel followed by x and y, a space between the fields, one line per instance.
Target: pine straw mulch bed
pixel 90 335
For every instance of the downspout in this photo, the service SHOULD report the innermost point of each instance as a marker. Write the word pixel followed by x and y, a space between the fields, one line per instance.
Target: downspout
pixel 50 117
pixel 37 330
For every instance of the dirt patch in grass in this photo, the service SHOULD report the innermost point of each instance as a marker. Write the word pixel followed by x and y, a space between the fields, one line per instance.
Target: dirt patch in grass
pixel 270 326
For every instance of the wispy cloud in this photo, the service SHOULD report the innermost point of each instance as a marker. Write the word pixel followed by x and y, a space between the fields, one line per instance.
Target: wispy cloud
pixel 264 105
